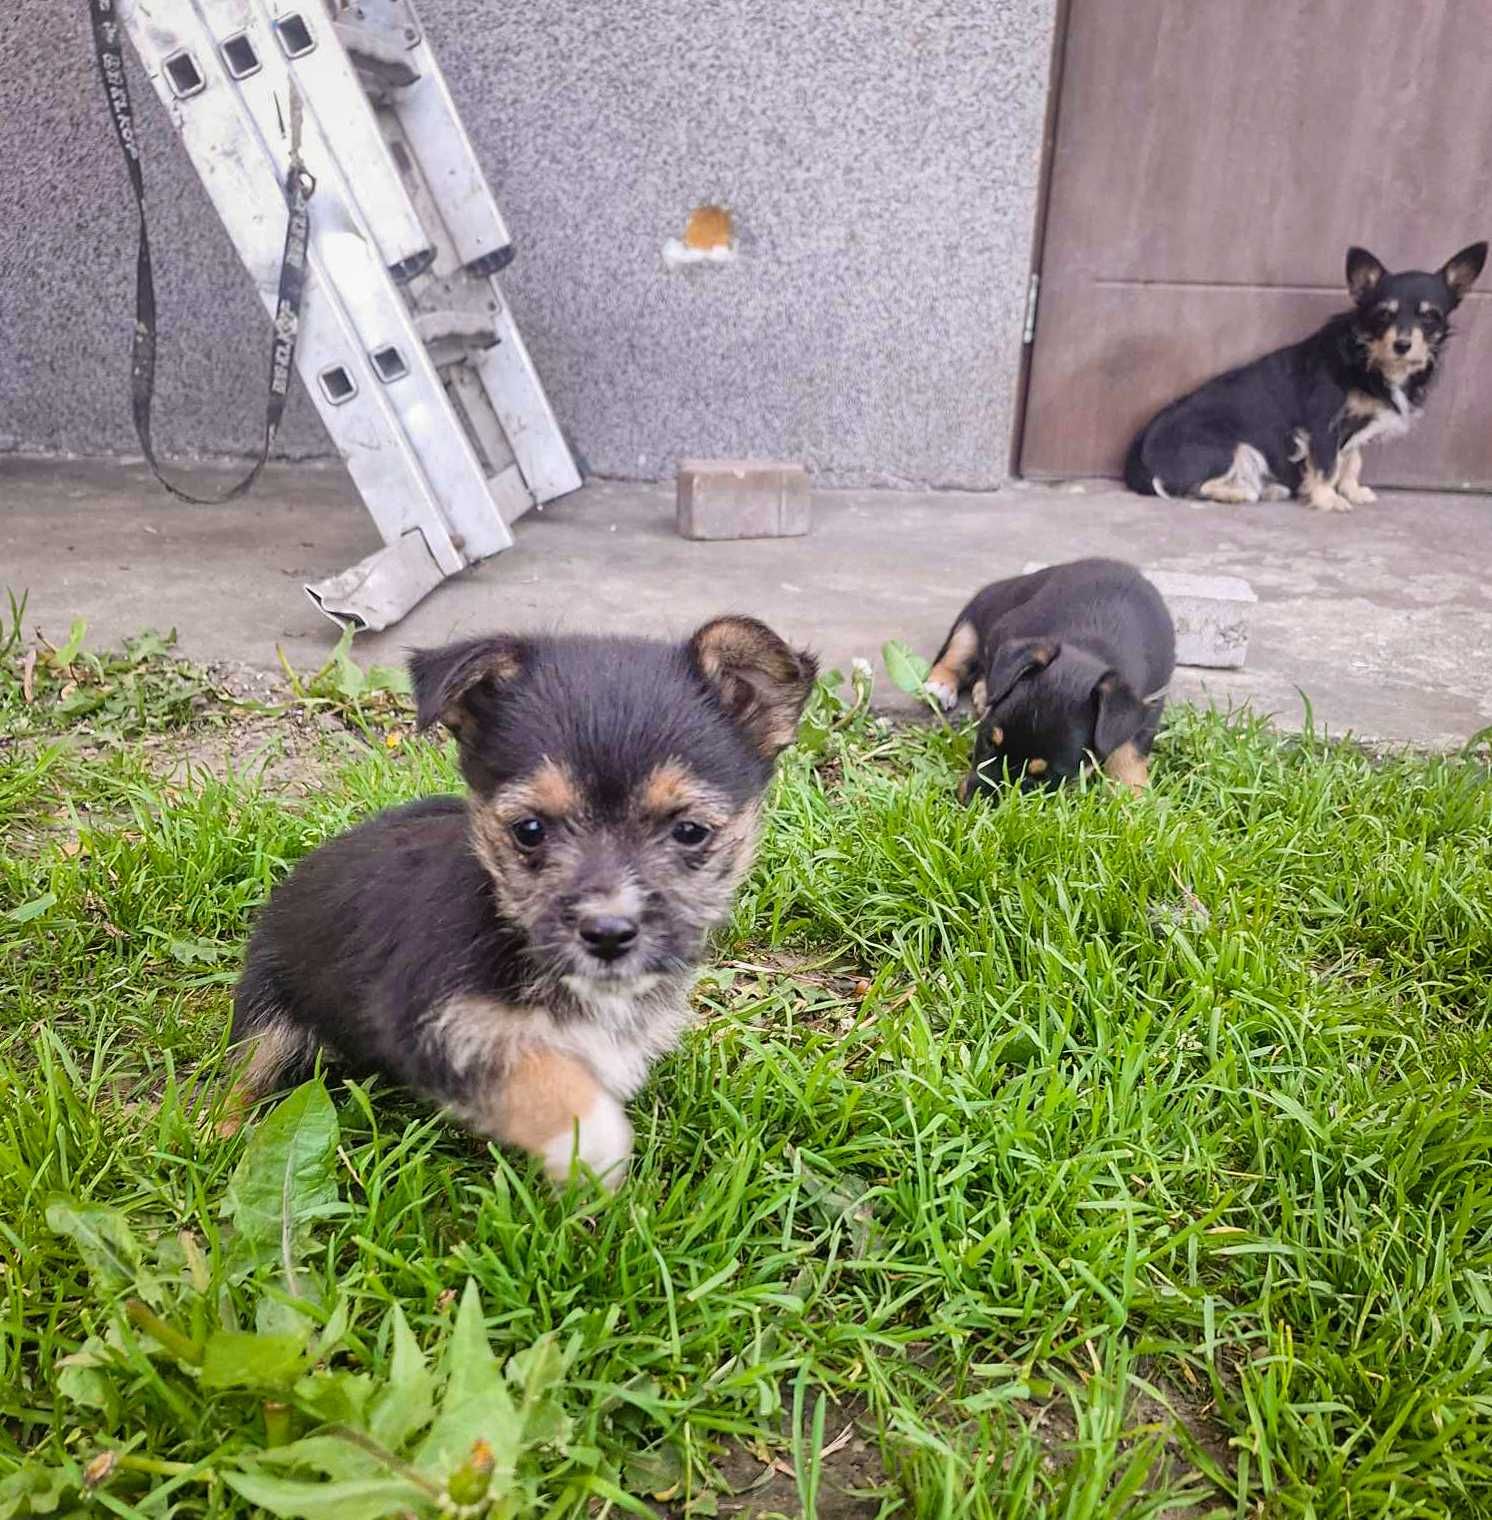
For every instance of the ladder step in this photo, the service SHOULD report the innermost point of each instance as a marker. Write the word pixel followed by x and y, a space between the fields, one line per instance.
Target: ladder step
pixel 470 329
pixel 382 63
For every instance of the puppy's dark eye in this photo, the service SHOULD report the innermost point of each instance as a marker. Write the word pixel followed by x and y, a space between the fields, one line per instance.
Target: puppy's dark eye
pixel 529 833
pixel 687 832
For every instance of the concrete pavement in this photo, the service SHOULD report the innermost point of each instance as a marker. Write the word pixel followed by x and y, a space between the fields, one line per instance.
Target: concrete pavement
pixel 1382 618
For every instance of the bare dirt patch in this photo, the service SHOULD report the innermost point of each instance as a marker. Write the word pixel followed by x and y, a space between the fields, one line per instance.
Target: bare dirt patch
pixel 289 750
pixel 759 1485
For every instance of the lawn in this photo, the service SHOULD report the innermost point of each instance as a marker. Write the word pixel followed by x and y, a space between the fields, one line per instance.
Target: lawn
pixel 1083 1155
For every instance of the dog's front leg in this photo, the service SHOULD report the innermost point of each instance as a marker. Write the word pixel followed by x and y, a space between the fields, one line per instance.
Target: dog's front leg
pixel 1317 487
pixel 552 1106
pixel 1348 483
pixel 1320 465
pixel 1128 766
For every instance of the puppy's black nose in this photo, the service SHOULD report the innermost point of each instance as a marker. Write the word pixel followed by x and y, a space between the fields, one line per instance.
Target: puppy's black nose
pixel 607 935
pixel 1402 345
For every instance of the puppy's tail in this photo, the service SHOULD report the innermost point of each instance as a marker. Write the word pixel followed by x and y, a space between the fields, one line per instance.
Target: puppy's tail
pixel 1136 476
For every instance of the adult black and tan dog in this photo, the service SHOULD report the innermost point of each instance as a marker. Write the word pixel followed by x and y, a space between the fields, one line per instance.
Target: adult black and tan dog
pixel 521 956
pixel 1065 666
pixel 1296 420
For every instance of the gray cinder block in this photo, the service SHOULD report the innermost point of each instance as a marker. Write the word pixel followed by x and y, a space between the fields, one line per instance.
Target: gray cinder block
pixel 742 498
pixel 1212 614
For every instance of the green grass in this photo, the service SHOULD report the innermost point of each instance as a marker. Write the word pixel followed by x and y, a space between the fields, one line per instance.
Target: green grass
pixel 1095 1156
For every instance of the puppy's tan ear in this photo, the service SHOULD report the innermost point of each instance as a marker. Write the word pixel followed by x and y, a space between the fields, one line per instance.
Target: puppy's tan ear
pixel 762 682
pixel 451 684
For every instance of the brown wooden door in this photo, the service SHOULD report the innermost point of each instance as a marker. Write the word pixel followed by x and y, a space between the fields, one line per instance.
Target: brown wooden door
pixel 1213 161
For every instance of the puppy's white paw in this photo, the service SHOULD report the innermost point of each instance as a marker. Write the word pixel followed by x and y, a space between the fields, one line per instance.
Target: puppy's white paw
pixel 601 1138
pixel 1360 496
pixel 1326 500
pixel 943 692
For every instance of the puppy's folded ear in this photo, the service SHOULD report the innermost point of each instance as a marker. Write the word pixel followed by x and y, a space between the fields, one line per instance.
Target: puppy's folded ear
pixel 1013 661
pixel 1363 274
pixel 1121 714
pixel 452 684
pixel 761 681
pixel 1461 269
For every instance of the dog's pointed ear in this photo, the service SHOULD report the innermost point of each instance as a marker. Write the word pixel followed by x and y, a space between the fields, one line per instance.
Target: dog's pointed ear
pixel 760 680
pixel 1012 662
pixel 1461 269
pixel 1121 714
pixel 1363 274
pixel 453 683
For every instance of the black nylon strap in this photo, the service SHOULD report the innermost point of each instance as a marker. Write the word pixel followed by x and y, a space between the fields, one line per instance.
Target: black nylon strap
pixel 299 187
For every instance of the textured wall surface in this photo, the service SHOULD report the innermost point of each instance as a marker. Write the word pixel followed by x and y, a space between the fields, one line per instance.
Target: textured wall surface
pixel 880 159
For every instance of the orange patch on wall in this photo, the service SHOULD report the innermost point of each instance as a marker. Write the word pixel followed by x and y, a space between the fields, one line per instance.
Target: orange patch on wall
pixel 708 228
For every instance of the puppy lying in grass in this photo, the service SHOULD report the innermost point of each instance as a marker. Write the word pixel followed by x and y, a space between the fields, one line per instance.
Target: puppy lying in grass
pixel 1065 667
pixel 522 956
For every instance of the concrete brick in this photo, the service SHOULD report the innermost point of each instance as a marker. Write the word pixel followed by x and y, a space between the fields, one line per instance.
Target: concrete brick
pixel 1212 614
pixel 742 498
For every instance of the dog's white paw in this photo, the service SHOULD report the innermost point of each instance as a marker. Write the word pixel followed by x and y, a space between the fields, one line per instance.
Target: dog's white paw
pixel 1360 496
pixel 601 1139
pixel 1326 500
pixel 943 692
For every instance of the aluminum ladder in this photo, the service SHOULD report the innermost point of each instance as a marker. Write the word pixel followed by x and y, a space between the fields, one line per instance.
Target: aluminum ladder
pixel 406 344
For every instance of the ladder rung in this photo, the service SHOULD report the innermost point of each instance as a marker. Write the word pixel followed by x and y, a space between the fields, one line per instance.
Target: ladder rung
pixel 469 328
pixel 382 64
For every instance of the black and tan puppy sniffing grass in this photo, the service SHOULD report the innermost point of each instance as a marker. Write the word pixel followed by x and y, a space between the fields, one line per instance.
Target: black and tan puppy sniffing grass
pixel 1066 667
pixel 523 955
pixel 1297 419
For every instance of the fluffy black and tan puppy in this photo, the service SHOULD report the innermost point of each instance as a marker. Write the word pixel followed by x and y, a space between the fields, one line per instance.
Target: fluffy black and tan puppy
pixel 1297 419
pixel 1066 666
pixel 523 955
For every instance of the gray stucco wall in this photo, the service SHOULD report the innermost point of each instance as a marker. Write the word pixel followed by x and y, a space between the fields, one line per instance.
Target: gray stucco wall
pixel 880 158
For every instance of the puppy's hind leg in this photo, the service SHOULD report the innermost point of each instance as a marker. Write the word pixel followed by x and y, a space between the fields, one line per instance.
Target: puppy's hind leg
pixel 954 665
pixel 274 1050
pixel 1242 481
